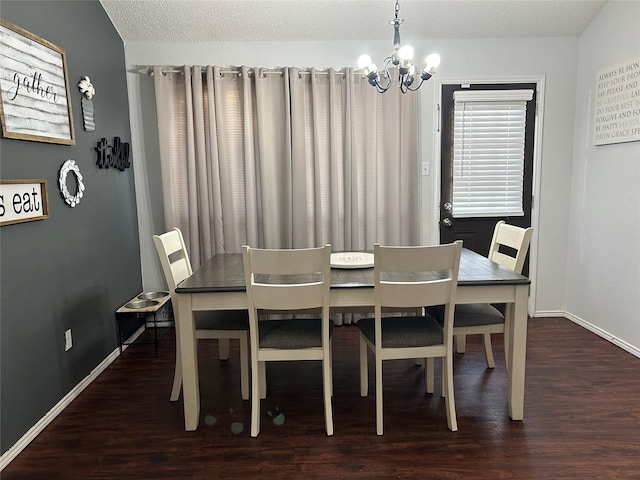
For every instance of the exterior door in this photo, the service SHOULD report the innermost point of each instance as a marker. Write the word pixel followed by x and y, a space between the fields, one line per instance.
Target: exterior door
pixel 476 231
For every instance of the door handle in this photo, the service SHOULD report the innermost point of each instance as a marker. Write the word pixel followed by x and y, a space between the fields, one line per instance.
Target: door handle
pixel 447 206
pixel 447 222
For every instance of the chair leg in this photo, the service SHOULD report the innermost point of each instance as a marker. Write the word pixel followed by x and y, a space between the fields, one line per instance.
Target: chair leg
pixel 364 371
pixel 461 343
pixel 328 415
pixel 331 366
pixel 379 419
pixel 262 374
pixel 244 366
pixel 450 403
pixel 488 351
pixel 429 374
pixel 507 329
pixel 177 376
pixel 443 376
pixel 223 348
pixel 255 397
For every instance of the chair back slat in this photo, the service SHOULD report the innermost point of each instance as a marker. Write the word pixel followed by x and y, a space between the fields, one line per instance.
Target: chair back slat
pixel 287 262
pixel 288 297
pixel 416 294
pixel 415 259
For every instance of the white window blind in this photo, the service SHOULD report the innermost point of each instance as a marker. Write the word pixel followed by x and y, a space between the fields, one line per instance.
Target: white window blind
pixel 488 152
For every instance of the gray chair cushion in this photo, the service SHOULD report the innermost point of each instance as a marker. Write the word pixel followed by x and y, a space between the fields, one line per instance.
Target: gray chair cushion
pixel 292 333
pixel 222 320
pixel 467 315
pixel 398 332
pixel 476 314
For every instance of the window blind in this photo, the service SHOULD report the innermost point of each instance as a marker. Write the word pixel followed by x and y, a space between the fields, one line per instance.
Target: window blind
pixel 488 152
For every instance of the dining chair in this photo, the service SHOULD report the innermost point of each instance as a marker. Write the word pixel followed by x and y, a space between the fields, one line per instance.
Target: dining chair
pixel 407 277
pixel 223 325
pixel 288 281
pixel 509 246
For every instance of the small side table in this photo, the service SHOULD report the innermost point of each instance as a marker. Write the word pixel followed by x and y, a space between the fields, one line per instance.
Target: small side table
pixel 141 307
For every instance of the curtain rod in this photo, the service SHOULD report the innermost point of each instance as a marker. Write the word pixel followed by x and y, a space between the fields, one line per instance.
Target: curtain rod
pixel 148 70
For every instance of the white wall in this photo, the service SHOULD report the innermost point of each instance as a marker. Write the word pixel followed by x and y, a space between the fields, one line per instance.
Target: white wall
pixel 603 267
pixel 556 59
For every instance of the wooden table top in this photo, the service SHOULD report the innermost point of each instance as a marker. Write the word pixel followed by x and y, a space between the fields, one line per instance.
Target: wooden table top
pixel 225 273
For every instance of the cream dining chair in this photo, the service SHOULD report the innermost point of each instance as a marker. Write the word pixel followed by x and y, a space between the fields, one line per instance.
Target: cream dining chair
pixel 411 277
pixel 483 318
pixel 283 281
pixel 220 325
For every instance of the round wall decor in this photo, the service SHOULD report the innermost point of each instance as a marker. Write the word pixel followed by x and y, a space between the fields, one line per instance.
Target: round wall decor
pixel 70 166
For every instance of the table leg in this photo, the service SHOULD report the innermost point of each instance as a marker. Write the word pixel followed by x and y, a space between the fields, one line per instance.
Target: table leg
pixel 189 359
pixel 517 353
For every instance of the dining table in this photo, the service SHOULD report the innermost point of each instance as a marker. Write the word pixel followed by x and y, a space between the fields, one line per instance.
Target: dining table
pixel 219 284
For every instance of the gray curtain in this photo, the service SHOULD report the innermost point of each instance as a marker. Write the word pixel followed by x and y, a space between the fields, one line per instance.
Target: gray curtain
pixel 286 158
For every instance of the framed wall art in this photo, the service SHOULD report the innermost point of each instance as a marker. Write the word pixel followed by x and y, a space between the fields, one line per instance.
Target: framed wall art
pixel 35 103
pixel 23 201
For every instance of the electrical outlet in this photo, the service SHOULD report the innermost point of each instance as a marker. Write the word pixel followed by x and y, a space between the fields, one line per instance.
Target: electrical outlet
pixel 68 340
pixel 425 168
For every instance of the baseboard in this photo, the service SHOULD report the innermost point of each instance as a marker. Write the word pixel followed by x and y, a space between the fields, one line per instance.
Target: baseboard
pixel 34 431
pixel 635 351
pixel 550 313
pixel 604 334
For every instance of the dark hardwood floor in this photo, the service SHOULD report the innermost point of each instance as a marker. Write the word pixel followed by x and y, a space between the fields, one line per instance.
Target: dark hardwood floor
pixel 582 419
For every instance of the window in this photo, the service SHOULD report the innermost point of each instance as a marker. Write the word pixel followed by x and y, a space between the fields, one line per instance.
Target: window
pixel 488 152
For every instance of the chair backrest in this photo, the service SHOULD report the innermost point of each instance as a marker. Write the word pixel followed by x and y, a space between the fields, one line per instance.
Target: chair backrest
pixel 516 238
pixel 419 276
pixel 284 280
pixel 173 257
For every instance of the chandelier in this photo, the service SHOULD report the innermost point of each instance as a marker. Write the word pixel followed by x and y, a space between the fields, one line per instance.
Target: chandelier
pixel 402 60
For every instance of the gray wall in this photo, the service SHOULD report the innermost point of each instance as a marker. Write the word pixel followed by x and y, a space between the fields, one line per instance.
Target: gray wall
pixel 74 269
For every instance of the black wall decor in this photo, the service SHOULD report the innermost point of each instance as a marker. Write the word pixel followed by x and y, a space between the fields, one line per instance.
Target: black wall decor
pixel 116 156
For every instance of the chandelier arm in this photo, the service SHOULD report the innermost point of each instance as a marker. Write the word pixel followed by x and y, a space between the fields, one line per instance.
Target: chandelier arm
pixel 386 75
pixel 383 88
pixel 416 87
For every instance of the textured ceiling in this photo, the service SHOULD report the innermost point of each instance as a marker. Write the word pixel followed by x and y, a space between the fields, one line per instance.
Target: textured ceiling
pixel 273 20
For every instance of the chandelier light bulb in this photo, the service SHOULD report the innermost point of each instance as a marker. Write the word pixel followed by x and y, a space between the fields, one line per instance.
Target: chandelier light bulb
pixel 433 61
pixel 364 60
pixel 406 53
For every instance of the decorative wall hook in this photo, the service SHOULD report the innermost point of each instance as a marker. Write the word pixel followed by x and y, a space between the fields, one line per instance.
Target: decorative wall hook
pixel 88 91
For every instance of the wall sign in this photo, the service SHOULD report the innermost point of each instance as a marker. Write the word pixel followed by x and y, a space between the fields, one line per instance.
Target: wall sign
pixel 617 104
pixel 116 155
pixel 34 104
pixel 23 201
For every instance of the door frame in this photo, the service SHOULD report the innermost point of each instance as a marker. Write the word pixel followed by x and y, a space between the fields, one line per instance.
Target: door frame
pixel 539 80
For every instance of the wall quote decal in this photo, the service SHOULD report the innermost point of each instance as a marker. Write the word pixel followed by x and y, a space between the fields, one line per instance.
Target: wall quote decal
pixel 617 104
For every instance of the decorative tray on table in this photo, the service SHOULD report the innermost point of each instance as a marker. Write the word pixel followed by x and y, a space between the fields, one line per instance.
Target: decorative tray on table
pixel 352 260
